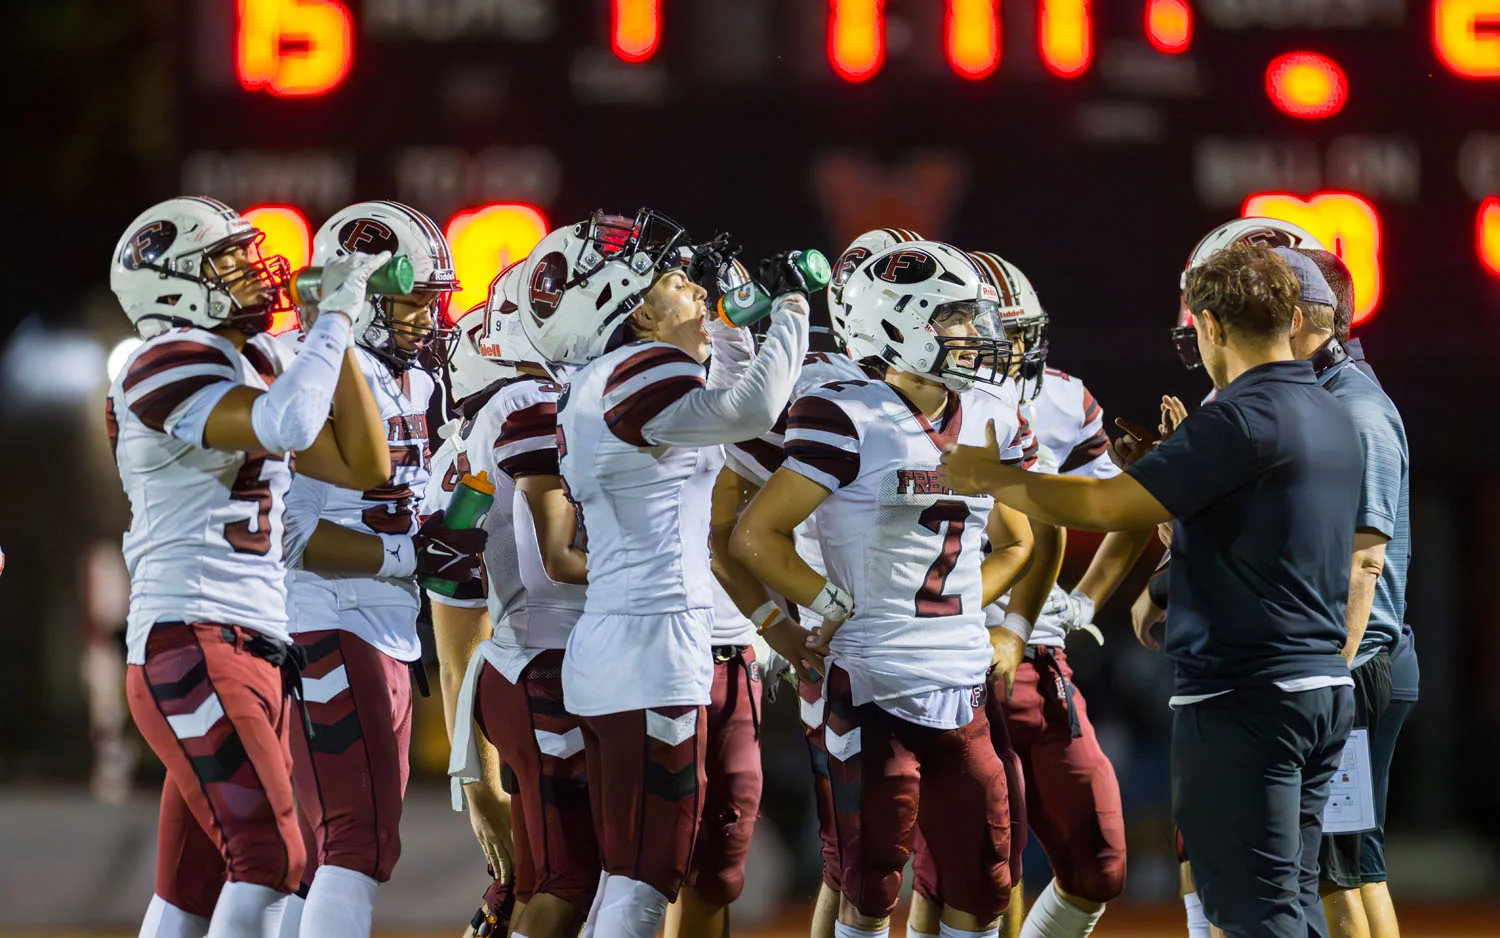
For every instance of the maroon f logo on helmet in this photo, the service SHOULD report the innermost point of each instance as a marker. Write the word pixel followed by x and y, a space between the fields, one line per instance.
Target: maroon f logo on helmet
pixel 369 236
pixel 907 267
pixel 546 287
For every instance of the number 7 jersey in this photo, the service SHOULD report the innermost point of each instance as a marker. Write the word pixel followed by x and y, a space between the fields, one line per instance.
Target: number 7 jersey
pixel 205 538
pixel 908 549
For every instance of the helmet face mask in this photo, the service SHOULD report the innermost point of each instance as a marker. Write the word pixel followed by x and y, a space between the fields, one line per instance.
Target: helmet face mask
pixel 901 306
pixel 188 262
pixel 1024 320
pixel 380 327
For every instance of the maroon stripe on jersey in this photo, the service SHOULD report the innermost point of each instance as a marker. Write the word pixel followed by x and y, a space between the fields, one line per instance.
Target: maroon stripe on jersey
pixel 953 419
pixel 112 424
pixel 768 456
pixel 1085 452
pixel 153 409
pixel 1026 441
pixel 841 464
pixel 537 462
pixel 540 419
pixel 819 413
pixel 261 362
pixel 1091 409
pixel 170 355
pixel 628 421
pixel 644 361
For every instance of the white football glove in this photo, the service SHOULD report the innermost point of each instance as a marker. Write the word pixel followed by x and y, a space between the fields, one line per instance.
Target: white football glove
pixel 1077 612
pixel 343 286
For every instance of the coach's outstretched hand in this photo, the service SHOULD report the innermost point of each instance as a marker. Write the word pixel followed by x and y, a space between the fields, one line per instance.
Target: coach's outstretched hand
pixel 971 470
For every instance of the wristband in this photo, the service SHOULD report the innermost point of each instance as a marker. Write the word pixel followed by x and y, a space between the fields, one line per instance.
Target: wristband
pixel 1018 625
pixel 400 558
pixel 765 616
pixel 832 603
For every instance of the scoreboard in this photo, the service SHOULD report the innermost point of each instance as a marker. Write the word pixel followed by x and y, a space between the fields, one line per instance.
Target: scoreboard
pixel 1112 132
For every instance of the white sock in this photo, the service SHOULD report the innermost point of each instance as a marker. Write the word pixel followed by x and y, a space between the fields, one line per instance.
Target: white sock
pixel 840 930
pixel 1197 922
pixel 948 931
pixel 913 933
pixel 165 920
pixel 629 909
pixel 1052 916
pixel 592 918
pixel 340 904
pixel 291 916
pixel 245 910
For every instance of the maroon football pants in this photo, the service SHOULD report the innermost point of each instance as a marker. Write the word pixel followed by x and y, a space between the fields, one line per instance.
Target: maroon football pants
pixel 352 775
pixel 1072 795
pixel 646 781
pixel 882 768
pixel 217 716
pixel 545 771
pixel 814 713
pixel 731 800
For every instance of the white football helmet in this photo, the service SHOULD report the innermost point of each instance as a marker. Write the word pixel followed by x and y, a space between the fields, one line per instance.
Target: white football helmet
pixel 382 225
pixel 1267 232
pixel 584 280
pixel 469 372
pixel 891 301
pixel 166 269
pixel 858 251
pixel 1021 316
pixel 504 339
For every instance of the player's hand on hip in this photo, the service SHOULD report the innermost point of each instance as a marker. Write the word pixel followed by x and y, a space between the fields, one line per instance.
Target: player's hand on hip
pixel 1007 650
pixel 970 470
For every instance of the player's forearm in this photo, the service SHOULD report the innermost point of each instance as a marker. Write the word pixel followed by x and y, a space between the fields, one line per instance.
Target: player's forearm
pixel 1363 575
pixel 772 557
pixel 740 585
pixel 1112 562
pixel 457 632
pixel 334 550
pixel 358 428
pixel 1037 573
pixel 555 521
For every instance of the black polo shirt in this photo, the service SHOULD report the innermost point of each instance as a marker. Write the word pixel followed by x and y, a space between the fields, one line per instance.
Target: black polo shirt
pixel 1264 482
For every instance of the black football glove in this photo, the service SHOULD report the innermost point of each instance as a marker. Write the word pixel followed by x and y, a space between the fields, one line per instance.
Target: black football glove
pixel 780 276
pixel 710 262
pixel 447 554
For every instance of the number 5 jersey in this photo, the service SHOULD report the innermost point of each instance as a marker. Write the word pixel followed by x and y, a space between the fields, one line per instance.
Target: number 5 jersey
pixel 380 610
pixel 908 549
pixel 205 538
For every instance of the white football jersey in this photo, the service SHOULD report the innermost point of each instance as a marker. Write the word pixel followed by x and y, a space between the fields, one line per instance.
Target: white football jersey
pixel 908 549
pixel 1069 423
pixel 380 610
pixel 757 459
pixel 206 528
pixel 646 512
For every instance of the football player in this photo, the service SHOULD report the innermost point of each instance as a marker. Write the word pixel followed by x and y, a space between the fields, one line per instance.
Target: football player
pixel 905 694
pixel 353 597
pixel 750 464
pixel 201 419
pixel 513 686
pixel 638 432
pixel 1072 794
pixel 461 621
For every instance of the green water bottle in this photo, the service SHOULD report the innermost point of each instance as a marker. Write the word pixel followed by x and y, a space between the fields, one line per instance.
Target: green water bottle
pixel 472 499
pixel 393 278
pixel 750 303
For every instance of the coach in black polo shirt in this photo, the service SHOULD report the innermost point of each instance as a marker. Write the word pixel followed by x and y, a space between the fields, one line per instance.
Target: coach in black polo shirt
pixel 1263 483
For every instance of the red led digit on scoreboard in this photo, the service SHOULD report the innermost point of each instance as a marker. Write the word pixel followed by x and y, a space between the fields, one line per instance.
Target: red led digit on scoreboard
pixel 1306 85
pixel 856 38
pixel 487 238
pixel 1169 25
pixel 972 31
pixel 635 28
pixel 1346 223
pixel 1067 37
pixel 1466 36
pixel 287 234
pixel 293 48
pixel 1487 234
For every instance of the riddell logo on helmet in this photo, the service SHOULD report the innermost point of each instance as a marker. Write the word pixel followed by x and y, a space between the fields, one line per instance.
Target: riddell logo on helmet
pixel 491 350
pixel 907 267
pixel 369 236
